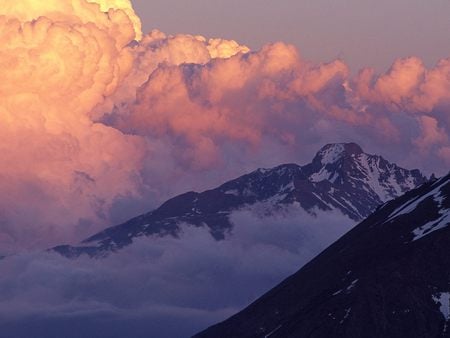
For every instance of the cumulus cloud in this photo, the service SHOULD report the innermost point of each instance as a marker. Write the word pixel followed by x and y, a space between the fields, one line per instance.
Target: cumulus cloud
pixel 160 287
pixel 64 64
pixel 236 102
pixel 156 49
pixel 59 167
pixel 100 122
pixel 274 102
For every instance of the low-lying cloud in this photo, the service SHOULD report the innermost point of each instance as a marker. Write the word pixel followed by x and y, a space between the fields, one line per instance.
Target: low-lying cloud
pixel 160 287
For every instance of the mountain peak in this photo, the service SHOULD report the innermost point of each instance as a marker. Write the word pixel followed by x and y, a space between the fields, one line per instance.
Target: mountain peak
pixel 332 152
pixel 341 177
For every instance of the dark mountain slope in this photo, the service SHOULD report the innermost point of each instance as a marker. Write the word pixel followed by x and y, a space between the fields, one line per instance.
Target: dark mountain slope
pixel 388 277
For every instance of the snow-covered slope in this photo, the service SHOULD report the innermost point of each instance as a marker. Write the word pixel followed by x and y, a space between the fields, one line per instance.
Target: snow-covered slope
pixel 341 177
pixel 347 166
pixel 388 277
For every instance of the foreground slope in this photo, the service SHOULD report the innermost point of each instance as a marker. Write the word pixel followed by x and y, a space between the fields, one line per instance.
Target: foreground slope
pixel 388 277
pixel 341 177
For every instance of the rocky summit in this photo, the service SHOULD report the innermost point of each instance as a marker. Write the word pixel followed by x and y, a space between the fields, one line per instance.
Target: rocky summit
pixel 340 177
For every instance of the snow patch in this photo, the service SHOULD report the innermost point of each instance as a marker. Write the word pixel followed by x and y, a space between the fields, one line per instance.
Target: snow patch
pixel 331 316
pixel 288 187
pixel 432 226
pixel 352 285
pixel 322 175
pixel 332 153
pixel 347 313
pixel 320 199
pixel 443 300
pixel 439 199
pixel 271 333
pixel 275 199
pixel 263 170
pixel 234 192
pixel 412 204
pixel 348 289
pixel 370 166
pixel 337 292
pixel 249 193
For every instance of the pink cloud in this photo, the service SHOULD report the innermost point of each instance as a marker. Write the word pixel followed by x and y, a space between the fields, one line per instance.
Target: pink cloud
pixel 93 120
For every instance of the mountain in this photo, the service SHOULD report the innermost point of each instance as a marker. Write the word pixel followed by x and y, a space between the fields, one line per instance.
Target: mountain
pixel 388 277
pixel 340 177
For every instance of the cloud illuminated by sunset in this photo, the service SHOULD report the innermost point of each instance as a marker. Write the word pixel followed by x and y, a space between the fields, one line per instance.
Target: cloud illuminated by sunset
pixel 96 116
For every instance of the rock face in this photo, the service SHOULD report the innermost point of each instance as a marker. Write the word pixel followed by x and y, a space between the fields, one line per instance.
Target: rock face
pixel 388 277
pixel 341 177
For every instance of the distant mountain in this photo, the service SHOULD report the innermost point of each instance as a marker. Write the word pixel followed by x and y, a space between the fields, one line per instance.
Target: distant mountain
pixel 341 177
pixel 389 277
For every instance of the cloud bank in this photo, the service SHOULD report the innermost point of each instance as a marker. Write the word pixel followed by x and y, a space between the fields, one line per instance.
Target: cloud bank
pixel 99 122
pixel 160 287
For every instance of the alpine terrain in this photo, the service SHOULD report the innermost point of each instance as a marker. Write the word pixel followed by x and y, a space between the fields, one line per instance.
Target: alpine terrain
pixel 341 177
pixel 388 277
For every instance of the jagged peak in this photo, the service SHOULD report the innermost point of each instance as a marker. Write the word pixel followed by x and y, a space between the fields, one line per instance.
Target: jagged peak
pixel 357 184
pixel 332 152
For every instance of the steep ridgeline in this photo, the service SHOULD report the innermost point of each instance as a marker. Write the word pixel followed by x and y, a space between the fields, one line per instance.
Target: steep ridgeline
pixel 388 277
pixel 341 177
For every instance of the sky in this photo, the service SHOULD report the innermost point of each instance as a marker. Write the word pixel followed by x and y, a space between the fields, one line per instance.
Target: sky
pixel 106 112
pixel 362 32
